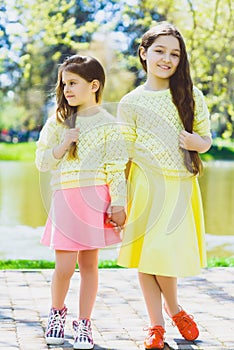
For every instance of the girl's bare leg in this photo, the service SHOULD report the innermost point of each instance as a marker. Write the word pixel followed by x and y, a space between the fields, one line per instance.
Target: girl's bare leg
pixel 152 295
pixel 168 286
pixel 64 268
pixel 88 266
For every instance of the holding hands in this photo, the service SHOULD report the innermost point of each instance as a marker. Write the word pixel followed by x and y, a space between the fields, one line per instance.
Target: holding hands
pixel 116 217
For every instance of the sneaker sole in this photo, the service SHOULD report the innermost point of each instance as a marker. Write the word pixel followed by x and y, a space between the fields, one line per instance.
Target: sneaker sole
pixel 83 346
pixel 54 341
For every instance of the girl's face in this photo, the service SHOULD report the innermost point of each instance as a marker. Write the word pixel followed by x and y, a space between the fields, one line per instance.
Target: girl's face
pixel 162 57
pixel 77 91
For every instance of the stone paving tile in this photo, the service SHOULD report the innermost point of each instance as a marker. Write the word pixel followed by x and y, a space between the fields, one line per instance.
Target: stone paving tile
pixel 119 316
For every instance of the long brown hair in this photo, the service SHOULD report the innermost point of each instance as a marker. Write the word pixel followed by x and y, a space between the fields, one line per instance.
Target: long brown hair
pixel 181 87
pixel 87 68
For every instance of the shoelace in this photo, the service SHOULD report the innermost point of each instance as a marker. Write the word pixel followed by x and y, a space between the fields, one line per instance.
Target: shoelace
pixel 55 323
pixel 183 321
pixel 83 330
pixel 155 330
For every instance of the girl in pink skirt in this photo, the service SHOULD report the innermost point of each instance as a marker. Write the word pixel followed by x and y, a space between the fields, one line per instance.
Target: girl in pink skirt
pixel 83 148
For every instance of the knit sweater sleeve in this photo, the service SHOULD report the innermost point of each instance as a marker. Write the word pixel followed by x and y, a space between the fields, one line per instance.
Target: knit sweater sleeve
pixel 115 163
pixel 201 124
pixel 127 119
pixel 49 138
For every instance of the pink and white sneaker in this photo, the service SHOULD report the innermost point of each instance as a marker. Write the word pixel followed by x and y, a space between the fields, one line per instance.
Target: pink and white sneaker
pixel 56 325
pixel 83 338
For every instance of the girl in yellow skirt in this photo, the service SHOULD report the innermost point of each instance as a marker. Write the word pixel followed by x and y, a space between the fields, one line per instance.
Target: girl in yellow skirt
pixel 166 124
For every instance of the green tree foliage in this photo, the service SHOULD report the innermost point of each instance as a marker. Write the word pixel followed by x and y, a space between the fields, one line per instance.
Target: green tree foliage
pixel 208 27
pixel 137 19
pixel 51 31
pixel 48 31
pixel 8 61
pixel 208 31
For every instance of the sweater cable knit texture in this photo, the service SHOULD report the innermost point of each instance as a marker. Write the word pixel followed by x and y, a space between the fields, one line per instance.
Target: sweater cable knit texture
pixel 153 137
pixel 101 155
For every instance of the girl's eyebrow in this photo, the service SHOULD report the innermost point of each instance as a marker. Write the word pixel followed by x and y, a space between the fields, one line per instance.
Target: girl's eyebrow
pixel 164 47
pixel 69 80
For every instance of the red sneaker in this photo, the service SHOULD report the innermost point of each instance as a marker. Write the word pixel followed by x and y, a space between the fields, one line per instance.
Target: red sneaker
pixel 155 338
pixel 185 324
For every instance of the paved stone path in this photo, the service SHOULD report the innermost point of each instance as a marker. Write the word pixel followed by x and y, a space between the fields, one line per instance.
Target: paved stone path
pixel 119 315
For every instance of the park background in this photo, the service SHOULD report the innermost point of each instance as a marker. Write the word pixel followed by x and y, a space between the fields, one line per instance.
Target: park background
pixel 36 36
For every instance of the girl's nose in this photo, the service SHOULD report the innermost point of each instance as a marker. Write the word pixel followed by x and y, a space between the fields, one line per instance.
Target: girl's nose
pixel 66 88
pixel 166 57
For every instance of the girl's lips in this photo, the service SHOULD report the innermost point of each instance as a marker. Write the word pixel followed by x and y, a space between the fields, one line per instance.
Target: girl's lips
pixel 164 67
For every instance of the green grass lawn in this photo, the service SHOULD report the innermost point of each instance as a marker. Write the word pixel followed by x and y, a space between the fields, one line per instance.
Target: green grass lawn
pixel 44 264
pixel 20 151
pixel 105 264
pixel 25 151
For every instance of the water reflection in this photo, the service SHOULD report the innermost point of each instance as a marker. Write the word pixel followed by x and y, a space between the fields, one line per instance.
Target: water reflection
pixel 25 197
pixel 20 199
pixel 217 187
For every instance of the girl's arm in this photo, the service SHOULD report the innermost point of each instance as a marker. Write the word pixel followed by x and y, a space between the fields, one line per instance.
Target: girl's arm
pixel 116 158
pixel 200 140
pixel 71 135
pixel 49 138
pixel 194 142
pixel 127 120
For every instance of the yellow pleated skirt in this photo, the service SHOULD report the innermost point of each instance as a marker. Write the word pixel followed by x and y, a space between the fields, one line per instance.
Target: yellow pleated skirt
pixel 165 233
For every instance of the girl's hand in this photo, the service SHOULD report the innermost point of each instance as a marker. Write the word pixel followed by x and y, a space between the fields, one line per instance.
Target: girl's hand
pixel 71 135
pixel 118 216
pixel 194 142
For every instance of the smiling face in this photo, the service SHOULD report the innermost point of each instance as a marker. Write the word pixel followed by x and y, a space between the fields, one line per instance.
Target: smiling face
pixel 162 59
pixel 78 91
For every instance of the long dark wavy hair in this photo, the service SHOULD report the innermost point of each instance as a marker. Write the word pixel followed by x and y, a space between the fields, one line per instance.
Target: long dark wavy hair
pixel 87 68
pixel 181 87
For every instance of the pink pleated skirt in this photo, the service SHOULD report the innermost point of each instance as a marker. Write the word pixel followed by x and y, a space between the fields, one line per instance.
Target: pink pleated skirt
pixel 76 220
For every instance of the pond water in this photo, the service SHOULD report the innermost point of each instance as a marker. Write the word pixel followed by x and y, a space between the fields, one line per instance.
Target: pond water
pixel 25 198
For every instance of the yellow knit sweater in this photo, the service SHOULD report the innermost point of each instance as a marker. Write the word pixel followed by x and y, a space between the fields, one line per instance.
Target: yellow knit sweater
pixel 101 157
pixel 151 126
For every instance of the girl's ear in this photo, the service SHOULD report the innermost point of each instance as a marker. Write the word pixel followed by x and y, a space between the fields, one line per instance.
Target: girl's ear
pixel 142 52
pixel 95 85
